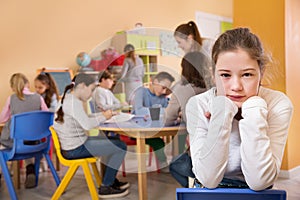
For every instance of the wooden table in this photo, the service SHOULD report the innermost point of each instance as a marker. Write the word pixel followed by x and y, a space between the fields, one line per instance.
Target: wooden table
pixel 140 129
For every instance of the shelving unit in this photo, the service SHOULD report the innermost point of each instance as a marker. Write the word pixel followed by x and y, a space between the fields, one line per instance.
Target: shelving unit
pixel 150 64
pixel 146 46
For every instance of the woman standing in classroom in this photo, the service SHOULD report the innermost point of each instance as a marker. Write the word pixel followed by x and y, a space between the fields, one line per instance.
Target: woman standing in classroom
pixel 188 38
pixel 196 67
pixel 132 72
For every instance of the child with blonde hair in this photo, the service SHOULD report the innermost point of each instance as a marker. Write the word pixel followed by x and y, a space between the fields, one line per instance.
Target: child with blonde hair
pixel 21 101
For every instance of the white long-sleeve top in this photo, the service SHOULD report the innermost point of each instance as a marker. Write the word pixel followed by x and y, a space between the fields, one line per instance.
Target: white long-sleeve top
pixel 105 100
pixel 250 149
pixel 72 133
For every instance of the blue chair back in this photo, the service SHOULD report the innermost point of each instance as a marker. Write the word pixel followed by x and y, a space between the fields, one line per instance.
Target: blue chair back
pixel 228 194
pixel 28 127
pixel 92 106
pixel 31 139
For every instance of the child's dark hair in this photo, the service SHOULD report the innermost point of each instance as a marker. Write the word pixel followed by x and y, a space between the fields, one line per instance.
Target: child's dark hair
pixel 105 75
pixel 195 66
pixel 190 28
pixel 79 78
pixel 47 79
pixel 164 75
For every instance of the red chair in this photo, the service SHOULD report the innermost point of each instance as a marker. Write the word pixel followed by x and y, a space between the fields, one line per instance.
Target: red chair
pixel 130 142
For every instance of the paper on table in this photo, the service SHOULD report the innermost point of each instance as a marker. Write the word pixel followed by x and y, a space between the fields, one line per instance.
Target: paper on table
pixel 122 117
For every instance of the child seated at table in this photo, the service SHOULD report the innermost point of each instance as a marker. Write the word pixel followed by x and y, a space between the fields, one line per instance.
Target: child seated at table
pixel 22 100
pixel 71 125
pixel 103 98
pixel 144 99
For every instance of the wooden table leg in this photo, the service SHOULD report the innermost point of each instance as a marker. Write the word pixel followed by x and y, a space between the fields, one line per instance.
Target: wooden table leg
pixel 16 175
pixel 142 171
pixel 57 163
pixel 175 146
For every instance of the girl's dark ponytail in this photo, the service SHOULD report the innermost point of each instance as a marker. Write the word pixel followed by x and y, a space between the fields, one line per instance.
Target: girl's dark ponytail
pixel 195 32
pixel 190 28
pixel 60 112
pixel 78 79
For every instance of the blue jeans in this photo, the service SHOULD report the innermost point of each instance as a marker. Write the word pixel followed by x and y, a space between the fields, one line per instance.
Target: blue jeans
pixel 181 169
pixel 111 150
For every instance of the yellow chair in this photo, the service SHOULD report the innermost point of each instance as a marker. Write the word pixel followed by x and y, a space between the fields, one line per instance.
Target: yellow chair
pixel 121 97
pixel 73 166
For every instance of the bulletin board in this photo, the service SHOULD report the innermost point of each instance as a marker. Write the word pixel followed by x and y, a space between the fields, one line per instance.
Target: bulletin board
pixel 168 44
pixel 62 77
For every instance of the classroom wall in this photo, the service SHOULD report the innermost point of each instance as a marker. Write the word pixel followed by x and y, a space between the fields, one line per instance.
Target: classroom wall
pixel 37 34
pixel 274 22
pixel 292 41
pixel 266 19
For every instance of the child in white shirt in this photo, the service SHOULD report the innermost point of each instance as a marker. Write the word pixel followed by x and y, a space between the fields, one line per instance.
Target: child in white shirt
pixel 238 129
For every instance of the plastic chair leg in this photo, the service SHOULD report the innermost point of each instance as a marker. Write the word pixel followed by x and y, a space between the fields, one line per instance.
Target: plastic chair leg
pixel 123 168
pixel 65 182
pixel 150 159
pixel 21 163
pixel 89 180
pixel 37 162
pixel 96 173
pixel 51 148
pixel 150 156
pixel 52 169
pixel 57 163
pixel 157 165
pixel 6 174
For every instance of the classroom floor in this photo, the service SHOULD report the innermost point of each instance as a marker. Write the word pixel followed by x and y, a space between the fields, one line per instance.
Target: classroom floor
pixel 160 185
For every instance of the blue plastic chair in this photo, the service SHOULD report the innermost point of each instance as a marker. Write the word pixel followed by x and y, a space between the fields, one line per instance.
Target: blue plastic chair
pixel 92 106
pixel 228 194
pixel 28 126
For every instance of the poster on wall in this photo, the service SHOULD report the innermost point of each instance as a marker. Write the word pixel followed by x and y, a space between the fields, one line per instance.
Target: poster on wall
pixel 211 26
pixel 168 44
